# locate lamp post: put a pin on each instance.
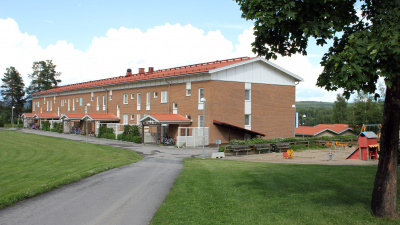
(12, 116)
(204, 123)
(304, 116)
(294, 132)
(87, 130)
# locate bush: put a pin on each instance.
(104, 130)
(131, 130)
(46, 125)
(1, 123)
(221, 148)
(237, 142)
(137, 139)
(108, 136)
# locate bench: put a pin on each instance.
(238, 148)
(283, 146)
(262, 148)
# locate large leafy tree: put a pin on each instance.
(44, 76)
(12, 91)
(365, 47)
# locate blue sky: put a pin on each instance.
(90, 40)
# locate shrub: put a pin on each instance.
(1, 123)
(104, 130)
(237, 142)
(46, 125)
(131, 130)
(221, 148)
(108, 136)
(137, 139)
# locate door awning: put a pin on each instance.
(165, 119)
(90, 116)
(244, 130)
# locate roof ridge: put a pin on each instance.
(193, 68)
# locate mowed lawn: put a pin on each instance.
(32, 164)
(233, 192)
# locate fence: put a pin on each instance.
(192, 136)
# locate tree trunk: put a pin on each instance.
(384, 195)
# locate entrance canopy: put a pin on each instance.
(165, 119)
(41, 115)
(233, 127)
(90, 116)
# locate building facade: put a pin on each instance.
(234, 99)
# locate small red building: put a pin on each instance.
(367, 147)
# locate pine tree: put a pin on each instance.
(12, 91)
(44, 76)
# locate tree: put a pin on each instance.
(340, 110)
(12, 91)
(365, 110)
(364, 49)
(44, 76)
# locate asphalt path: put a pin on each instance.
(127, 195)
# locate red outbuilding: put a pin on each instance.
(368, 147)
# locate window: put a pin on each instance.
(125, 119)
(77, 99)
(148, 101)
(92, 97)
(118, 111)
(110, 95)
(62, 102)
(247, 120)
(44, 100)
(155, 94)
(188, 88)
(138, 118)
(98, 104)
(201, 94)
(73, 105)
(164, 96)
(81, 101)
(175, 108)
(201, 120)
(132, 117)
(38, 103)
(104, 102)
(47, 109)
(54, 99)
(132, 96)
(247, 95)
(125, 98)
(69, 105)
(34, 107)
(51, 106)
(138, 100)
(189, 117)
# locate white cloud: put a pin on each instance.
(161, 47)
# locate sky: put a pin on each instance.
(91, 40)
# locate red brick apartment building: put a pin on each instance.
(244, 97)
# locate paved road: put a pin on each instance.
(125, 195)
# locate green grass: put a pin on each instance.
(233, 192)
(32, 164)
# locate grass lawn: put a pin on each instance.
(232, 192)
(32, 164)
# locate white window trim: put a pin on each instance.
(125, 100)
(188, 88)
(155, 94)
(199, 120)
(81, 102)
(200, 95)
(125, 119)
(249, 119)
(138, 99)
(110, 95)
(164, 96)
(132, 96)
(247, 100)
(104, 103)
(98, 104)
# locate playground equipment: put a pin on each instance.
(368, 145)
(288, 154)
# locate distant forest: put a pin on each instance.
(364, 110)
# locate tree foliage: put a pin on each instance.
(340, 110)
(44, 76)
(12, 91)
(365, 48)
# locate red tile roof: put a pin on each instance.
(47, 115)
(28, 114)
(196, 68)
(312, 131)
(93, 116)
(169, 117)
